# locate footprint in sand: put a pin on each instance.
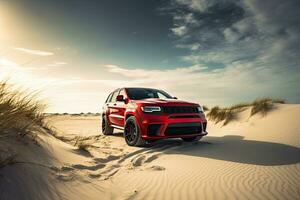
(103, 168)
(137, 161)
(92, 167)
(143, 159)
(107, 159)
(94, 175)
(66, 169)
(129, 195)
(152, 158)
(156, 168)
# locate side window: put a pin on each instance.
(108, 98)
(122, 92)
(114, 96)
(151, 95)
(161, 96)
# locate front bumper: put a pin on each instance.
(172, 125)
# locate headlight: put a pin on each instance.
(150, 109)
(200, 109)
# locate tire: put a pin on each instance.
(106, 129)
(192, 139)
(132, 133)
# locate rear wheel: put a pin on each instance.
(192, 139)
(132, 133)
(106, 128)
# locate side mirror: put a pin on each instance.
(175, 98)
(120, 98)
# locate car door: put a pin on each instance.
(112, 109)
(120, 109)
(105, 108)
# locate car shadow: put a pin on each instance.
(234, 149)
(118, 134)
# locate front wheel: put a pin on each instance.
(132, 133)
(192, 139)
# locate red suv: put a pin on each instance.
(147, 114)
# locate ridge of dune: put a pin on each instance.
(280, 125)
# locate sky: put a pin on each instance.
(213, 52)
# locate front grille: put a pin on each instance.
(183, 128)
(153, 129)
(179, 109)
(184, 116)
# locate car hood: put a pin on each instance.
(165, 102)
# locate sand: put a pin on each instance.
(254, 157)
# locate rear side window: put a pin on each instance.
(108, 98)
(114, 96)
(122, 92)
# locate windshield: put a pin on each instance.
(145, 93)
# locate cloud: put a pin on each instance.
(253, 39)
(143, 73)
(197, 5)
(34, 52)
(192, 47)
(179, 31)
(232, 84)
(7, 63)
(227, 30)
(57, 64)
(237, 51)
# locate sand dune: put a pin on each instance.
(250, 158)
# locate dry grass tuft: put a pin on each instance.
(261, 106)
(205, 108)
(239, 107)
(83, 144)
(218, 114)
(226, 115)
(20, 112)
(264, 105)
